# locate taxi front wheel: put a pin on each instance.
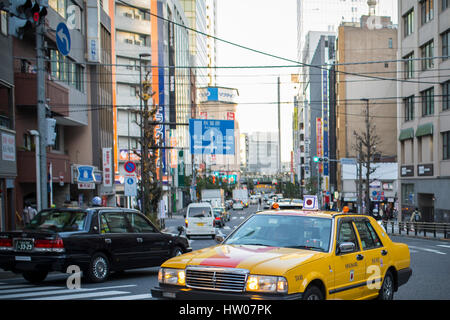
(313, 293)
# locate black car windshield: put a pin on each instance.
(289, 231)
(59, 221)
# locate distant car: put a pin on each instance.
(291, 254)
(98, 240)
(254, 200)
(219, 219)
(199, 220)
(238, 205)
(225, 213)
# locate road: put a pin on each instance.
(429, 260)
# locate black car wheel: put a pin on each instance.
(99, 268)
(313, 293)
(176, 252)
(35, 276)
(387, 289)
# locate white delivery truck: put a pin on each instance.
(241, 194)
(214, 196)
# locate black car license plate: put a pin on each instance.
(24, 245)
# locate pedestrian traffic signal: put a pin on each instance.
(317, 159)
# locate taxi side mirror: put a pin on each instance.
(219, 238)
(346, 247)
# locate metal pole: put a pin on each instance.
(41, 114)
(279, 128)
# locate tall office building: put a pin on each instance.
(424, 108)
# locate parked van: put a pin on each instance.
(199, 220)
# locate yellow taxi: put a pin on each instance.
(292, 254)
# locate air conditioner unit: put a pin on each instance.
(137, 42)
(128, 15)
(129, 41)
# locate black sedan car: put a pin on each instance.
(97, 240)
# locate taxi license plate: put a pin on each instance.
(200, 224)
(24, 245)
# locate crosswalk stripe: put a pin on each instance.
(427, 249)
(16, 286)
(84, 295)
(443, 245)
(131, 297)
(27, 289)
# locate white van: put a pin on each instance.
(199, 220)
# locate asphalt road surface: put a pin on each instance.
(429, 260)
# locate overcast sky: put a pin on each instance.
(268, 26)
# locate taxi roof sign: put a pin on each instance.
(310, 203)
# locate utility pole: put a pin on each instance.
(41, 113)
(279, 128)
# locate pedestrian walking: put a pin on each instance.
(28, 213)
(416, 217)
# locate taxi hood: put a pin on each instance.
(256, 259)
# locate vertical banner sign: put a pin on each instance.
(325, 125)
(172, 97)
(319, 141)
(181, 168)
(160, 133)
(107, 167)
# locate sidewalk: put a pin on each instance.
(392, 228)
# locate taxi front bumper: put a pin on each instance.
(184, 293)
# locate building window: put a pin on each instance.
(66, 70)
(445, 4)
(4, 23)
(427, 53)
(446, 96)
(446, 145)
(445, 44)
(427, 102)
(407, 193)
(409, 66)
(427, 11)
(59, 6)
(408, 23)
(409, 108)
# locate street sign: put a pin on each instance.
(212, 136)
(63, 41)
(129, 166)
(310, 202)
(130, 189)
(351, 161)
(85, 174)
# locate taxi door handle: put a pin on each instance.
(384, 252)
(140, 240)
(359, 257)
(108, 240)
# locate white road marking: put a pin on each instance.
(27, 289)
(84, 295)
(443, 245)
(131, 297)
(427, 249)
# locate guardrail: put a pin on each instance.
(428, 229)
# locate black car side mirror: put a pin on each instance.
(180, 230)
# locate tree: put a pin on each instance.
(366, 147)
(151, 191)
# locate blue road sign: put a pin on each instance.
(212, 136)
(129, 166)
(85, 174)
(63, 41)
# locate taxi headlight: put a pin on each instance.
(172, 276)
(271, 284)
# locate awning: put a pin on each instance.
(406, 134)
(424, 130)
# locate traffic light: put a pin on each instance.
(51, 131)
(24, 14)
(317, 159)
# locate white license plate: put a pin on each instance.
(23, 258)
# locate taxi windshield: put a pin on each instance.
(300, 232)
(59, 221)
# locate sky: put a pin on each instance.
(268, 26)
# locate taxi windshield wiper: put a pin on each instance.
(307, 247)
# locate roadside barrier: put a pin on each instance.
(428, 229)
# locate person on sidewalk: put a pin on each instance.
(416, 217)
